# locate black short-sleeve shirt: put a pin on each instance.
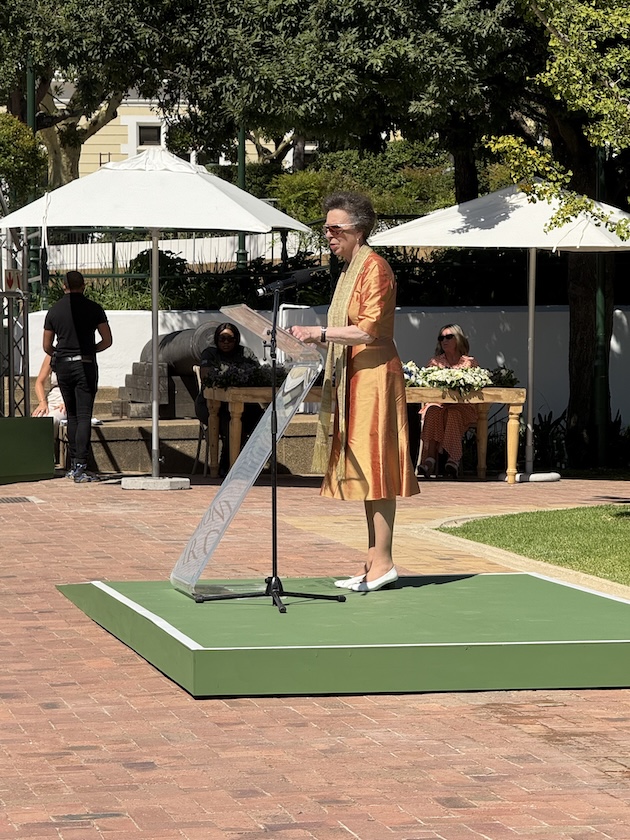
(74, 319)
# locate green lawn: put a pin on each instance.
(593, 540)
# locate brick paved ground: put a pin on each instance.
(94, 743)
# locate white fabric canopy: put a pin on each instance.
(154, 190)
(509, 218)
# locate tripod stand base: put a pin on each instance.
(275, 590)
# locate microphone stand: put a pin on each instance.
(274, 587)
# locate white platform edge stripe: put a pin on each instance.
(192, 645)
(581, 588)
(155, 619)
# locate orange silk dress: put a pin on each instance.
(378, 465)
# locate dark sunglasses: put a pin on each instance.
(229, 338)
(335, 229)
(445, 337)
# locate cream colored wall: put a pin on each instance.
(118, 139)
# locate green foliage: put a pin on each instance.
(181, 288)
(170, 264)
(404, 178)
(52, 293)
(589, 64)
(474, 277)
(118, 294)
(503, 377)
(246, 373)
(22, 161)
(549, 438)
(528, 165)
(301, 194)
(260, 177)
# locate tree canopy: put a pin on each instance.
(86, 56)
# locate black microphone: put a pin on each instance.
(298, 278)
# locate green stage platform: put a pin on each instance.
(443, 633)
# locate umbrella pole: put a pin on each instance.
(155, 372)
(531, 317)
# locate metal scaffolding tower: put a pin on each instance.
(14, 367)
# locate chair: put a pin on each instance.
(204, 433)
(441, 457)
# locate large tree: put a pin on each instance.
(86, 55)
(586, 148)
(351, 74)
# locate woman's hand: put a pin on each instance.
(309, 335)
(41, 410)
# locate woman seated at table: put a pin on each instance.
(227, 350)
(444, 425)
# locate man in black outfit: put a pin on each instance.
(73, 320)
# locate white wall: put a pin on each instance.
(131, 330)
(497, 336)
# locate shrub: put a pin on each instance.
(22, 161)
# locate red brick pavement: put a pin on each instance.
(94, 743)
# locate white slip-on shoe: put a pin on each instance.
(373, 585)
(346, 583)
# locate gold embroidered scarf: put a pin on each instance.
(336, 368)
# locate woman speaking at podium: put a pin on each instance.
(369, 459)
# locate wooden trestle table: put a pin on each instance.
(514, 398)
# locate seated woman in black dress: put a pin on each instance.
(227, 349)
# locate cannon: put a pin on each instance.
(178, 351)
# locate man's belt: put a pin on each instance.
(76, 358)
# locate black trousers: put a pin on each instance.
(78, 382)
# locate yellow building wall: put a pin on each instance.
(118, 140)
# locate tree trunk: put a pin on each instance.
(64, 141)
(572, 149)
(63, 160)
(299, 157)
(582, 419)
(466, 179)
(459, 139)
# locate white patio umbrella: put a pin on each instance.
(154, 190)
(509, 218)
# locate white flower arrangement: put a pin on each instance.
(462, 380)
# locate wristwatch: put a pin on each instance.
(322, 335)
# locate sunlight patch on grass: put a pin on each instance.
(592, 540)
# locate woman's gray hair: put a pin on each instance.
(356, 205)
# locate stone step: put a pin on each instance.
(102, 404)
(125, 446)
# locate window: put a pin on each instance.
(149, 135)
